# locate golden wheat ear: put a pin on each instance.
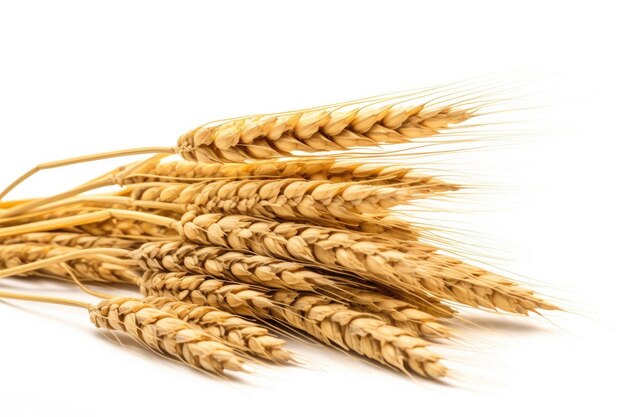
(155, 329)
(386, 119)
(332, 323)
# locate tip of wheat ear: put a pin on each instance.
(163, 332)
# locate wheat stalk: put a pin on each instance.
(328, 321)
(331, 128)
(240, 333)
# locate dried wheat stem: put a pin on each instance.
(331, 128)
(328, 321)
(240, 333)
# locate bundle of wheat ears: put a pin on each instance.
(255, 229)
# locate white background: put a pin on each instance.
(84, 77)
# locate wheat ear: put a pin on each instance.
(407, 267)
(240, 333)
(74, 240)
(178, 256)
(330, 128)
(328, 321)
(154, 329)
(326, 169)
(96, 268)
(272, 273)
(319, 201)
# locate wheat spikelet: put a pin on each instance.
(326, 320)
(408, 267)
(240, 333)
(94, 268)
(332, 128)
(165, 333)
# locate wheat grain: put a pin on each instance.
(240, 333)
(323, 319)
